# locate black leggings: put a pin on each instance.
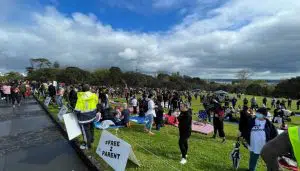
(183, 145)
(15, 97)
(219, 127)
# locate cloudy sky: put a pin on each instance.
(205, 38)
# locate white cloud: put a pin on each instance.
(268, 44)
(128, 54)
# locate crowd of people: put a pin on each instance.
(90, 103)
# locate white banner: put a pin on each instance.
(72, 125)
(61, 112)
(115, 151)
(47, 101)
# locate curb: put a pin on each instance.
(75, 145)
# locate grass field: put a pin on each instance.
(161, 151)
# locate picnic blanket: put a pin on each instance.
(137, 119)
(196, 126)
(107, 124)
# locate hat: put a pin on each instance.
(263, 111)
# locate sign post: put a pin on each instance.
(72, 125)
(47, 101)
(115, 151)
(61, 112)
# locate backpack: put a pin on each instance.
(145, 105)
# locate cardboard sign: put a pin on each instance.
(72, 126)
(47, 101)
(115, 151)
(61, 112)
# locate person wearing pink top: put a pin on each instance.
(59, 97)
(6, 92)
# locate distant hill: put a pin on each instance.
(229, 81)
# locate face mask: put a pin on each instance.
(259, 116)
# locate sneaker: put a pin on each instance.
(224, 140)
(14, 106)
(84, 147)
(183, 161)
(151, 133)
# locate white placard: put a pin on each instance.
(47, 101)
(72, 126)
(115, 151)
(61, 112)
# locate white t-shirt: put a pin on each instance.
(134, 102)
(151, 107)
(258, 136)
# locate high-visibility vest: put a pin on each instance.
(294, 135)
(86, 102)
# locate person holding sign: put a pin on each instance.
(185, 129)
(86, 109)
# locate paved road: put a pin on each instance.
(30, 141)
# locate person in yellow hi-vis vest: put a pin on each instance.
(86, 110)
(286, 143)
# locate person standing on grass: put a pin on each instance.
(86, 110)
(233, 102)
(72, 97)
(298, 104)
(290, 103)
(15, 95)
(265, 101)
(259, 131)
(245, 101)
(59, 97)
(218, 120)
(159, 116)
(185, 129)
(273, 102)
(150, 114)
(134, 103)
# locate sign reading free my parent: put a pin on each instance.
(115, 151)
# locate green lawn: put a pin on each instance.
(161, 151)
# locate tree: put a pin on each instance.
(13, 76)
(243, 75)
(56, 64)
(40, 62)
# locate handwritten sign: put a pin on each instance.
(72, 126)
(115, 151)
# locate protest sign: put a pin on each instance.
(47, 101)
(61, 112)
(115, 151)
(72, 125)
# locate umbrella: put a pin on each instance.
(235, 155)
(220, 92)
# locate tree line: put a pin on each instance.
(43, 70)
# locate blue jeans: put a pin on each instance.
(253, 161)
(149, 121)
(59, 101)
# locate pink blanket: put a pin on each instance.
(196, 126)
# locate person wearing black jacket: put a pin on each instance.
(52, 92)
(258, 132)
(72, 97)
(185, 129)
(159, 116)
(244, 115)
